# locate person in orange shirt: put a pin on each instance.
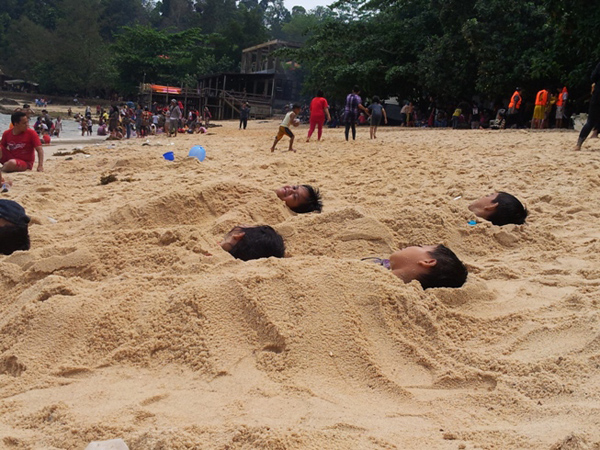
(513, 109)
(539, 113)
(561, 102)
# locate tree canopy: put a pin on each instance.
(452, 49)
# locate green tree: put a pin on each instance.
(300, 25)
(119, 13)
(276, 16)
(142, 52)
(575, 27)
(66, 58)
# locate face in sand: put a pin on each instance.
(411, 262)
(293, 196)
(485, 206)
(232, 238)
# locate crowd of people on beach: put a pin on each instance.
(126, 120)
(549, 110)
(130, 120)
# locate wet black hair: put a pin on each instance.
(15, 117)
(313, 203)
(296, 105)
(448, 270)
(509, 210)
(356, 88)
(258, 242)
(13, 238)
(319, 93)
(376, 99)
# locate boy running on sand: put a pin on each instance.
(284, 127)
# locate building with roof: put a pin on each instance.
(266, 81)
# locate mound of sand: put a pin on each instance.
(127, 320)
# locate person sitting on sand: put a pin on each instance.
(14, 231)
(500, 208)
(46, 138)
(257, 242)
(300, 198)
(434, 266)
(116, 135)
(19, 145)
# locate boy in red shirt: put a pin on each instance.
(18, 145)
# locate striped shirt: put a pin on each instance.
(351, 109)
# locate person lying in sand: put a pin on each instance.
(14, 231)
(300, 198)
(257, 242)
(500, 208)
(434, 266)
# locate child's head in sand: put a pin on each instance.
(14, 232)
(301, 198)
(500, 208)
(248, 243)
(433, 266)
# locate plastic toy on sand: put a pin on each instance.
(169, 156)
(198, 152)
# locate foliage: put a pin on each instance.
(144, 53)
(451, 49)
(64, 58)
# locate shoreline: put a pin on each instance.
(70, 145)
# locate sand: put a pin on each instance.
(127, 320)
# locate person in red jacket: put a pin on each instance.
(319, 109)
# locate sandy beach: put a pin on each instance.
(127, 320)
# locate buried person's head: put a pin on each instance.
(248, 243)
(301, 198)
(434, 266)
(14, 232)
(500, 208)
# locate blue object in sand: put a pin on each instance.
(197, 151)
(169, 156)
(472, 222)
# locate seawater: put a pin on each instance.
(70, 128)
